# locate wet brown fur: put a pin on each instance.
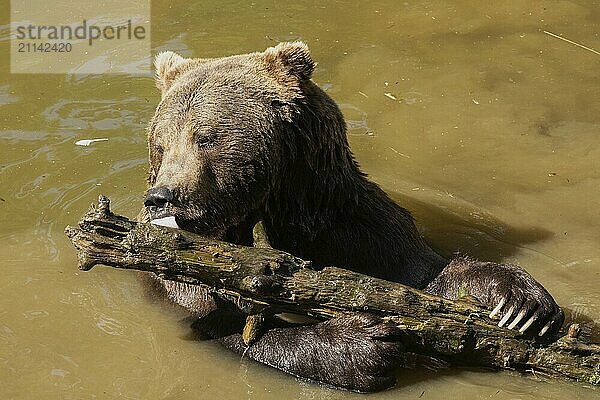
(249, 137)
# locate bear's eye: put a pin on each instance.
(278, 103)
(205, 140)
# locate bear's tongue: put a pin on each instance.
(166, 221)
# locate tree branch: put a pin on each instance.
(458, 331)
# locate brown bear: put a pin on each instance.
(245, 138)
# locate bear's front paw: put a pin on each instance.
(356, 351)
(364, 351)
(517, 299)
(522, 303)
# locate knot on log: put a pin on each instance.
(261, 285)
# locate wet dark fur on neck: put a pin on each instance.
(324, 209)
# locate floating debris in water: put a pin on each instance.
(87, 142)
(572, 42)
(390, 96)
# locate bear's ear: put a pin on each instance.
(164, 67)
(294, 57)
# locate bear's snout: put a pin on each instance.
(158, 197)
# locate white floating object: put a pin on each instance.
(87, 142)
(169, 222)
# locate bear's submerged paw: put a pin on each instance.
(358, 352)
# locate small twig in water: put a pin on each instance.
(572, 42)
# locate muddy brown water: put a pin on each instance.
(486, 127)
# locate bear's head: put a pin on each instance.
(239, 137)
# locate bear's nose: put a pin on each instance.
(158, 197)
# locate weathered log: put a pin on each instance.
(458, 331)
